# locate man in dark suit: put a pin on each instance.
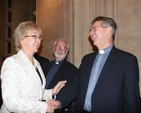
(58, 70)
(114, 86)
(108, 78)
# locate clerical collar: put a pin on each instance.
(106, 50)
(56, 62)
(101, 51)
(59, 62)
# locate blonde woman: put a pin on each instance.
(23, 81)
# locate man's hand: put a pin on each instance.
(50, 109)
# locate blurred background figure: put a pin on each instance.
(60, 69)
(41, 60)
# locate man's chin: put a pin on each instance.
(60, 58)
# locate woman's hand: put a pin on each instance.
(55, 103)
(58, 87)
(50, 108)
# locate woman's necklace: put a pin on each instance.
(35, 66)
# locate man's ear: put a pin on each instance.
(109, 30)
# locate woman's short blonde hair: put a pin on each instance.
(22, 30)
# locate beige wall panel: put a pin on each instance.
(49, 18)
(68, 24)
(129, 28)
(85, 28)
(100, 7)
(77, 32)
(125, 2)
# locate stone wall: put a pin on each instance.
(2, 30)
(49, 18)
(20, 11)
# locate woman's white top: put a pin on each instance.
(22, 90)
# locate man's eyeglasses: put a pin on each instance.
(94, 28)
(60, 47)
(35, 36)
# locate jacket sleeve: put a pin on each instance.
(47, 95)
(131, 87)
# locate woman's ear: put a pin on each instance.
(21, 41)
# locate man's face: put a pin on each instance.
(60, 50)
(98, 34)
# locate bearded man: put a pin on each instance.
(58, 70)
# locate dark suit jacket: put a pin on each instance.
(69, 72)
(41, 60)
(117, 89)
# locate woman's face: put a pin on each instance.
(31, 42)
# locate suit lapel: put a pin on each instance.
(60, 72)
(28, 67)
(47, 67)
(59, 75)
(107, 66)
(89, 63)
(41, 72)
